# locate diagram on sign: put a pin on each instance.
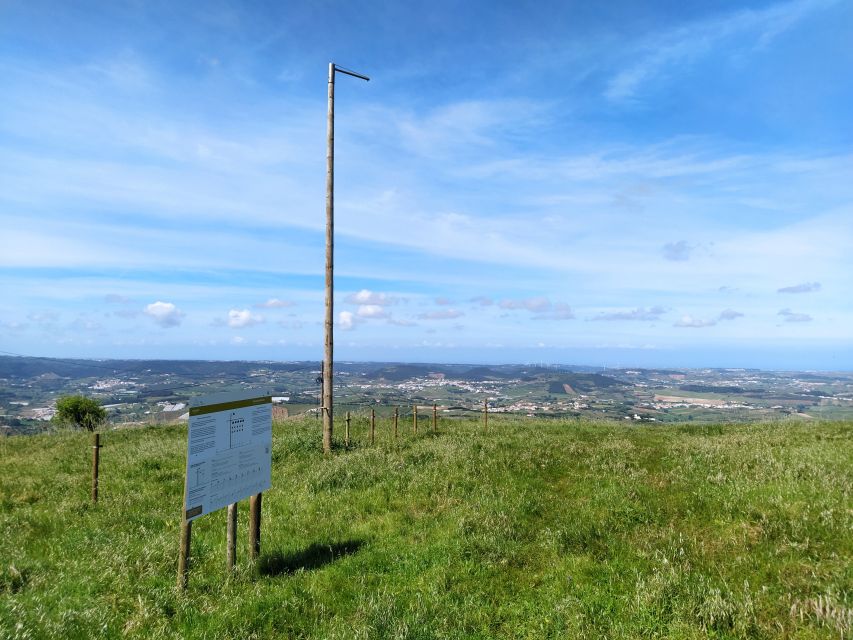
(197, 476)
(237, 430)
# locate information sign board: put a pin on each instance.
(229, 450)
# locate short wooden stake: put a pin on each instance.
(396, 418)
(231, 538)
(346, 433)
(96, 461)
(184, 557)
(434, 418)
(255, 525)
(372, 426)
(415, 419)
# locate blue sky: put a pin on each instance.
(621, 183)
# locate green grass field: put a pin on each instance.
(539, 529)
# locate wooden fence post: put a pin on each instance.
(184, 557)
(346, 433)
(231, 538)
(485, 415)
(415, 419)
(434, 418)
(396, 418)
(372, 426)
(96, 461)
(255, 525)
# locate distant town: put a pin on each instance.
(137, 392)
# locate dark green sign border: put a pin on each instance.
(226, 406)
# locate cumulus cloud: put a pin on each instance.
(791, 316)
(274, 303)
(238, 340)
(641, 314)
(365, 296)
(371, 311)
(240, 318)
(729, 314)
(677, 251)
(805, 287)
(164, 314)
(483, 301)
(444, 314)
(346, 320)
(694, 323)
(537, 304)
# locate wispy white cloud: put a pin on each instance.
(274, 303)
(671, 51)
(729, 314)
(805, 287)
(367, 297)
(372, 311)
(677, 251)
(537, 304)
(639, 314)
(791, 316)
(689, 321)
(442, 314)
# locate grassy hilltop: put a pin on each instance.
(539, 529)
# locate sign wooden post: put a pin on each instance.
(396, 417)
(434, 418)
(184, 557)
(485, 415)
(415, 419)
(372, 426)
(96, 460)
(255, 525)
(186, 538)
(231, 538)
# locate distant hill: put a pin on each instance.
(583, 383)
(18, 367)
(401, 372)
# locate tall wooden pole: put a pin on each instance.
(328, 415)
(328, 374)
(372, 426)
(415, 419)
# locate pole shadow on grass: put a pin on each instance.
(313, 556)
